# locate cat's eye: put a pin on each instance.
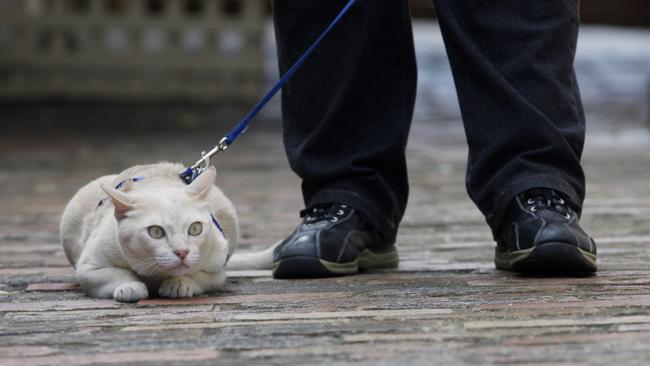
(156, 232)
(195, 229)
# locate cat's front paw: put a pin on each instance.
(131, 292)
(179, 287)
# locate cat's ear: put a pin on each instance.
(203, 183)
(121, 201)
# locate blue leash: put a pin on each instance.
(195, 170)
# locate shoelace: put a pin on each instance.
(548, 199)
(324, 212)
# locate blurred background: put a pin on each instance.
(92, 87)
(83, 66)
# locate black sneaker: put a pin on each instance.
(540, 233)
(332, 240)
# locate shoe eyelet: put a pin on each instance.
(340, 212)
(567, 216)
(533, 209)
(530, 201)
(334, 219)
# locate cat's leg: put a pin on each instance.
(192, 284)
(111, 282)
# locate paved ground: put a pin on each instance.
(446, 304)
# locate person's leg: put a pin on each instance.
(347, 112)
(513, 67)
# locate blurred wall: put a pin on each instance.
(615, 12)
(145, 50)
(622, 12)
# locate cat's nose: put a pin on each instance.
(181, 253)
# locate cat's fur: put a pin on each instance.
(115, 255)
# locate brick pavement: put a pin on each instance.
(445, 304)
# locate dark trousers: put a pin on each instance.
(347, 112)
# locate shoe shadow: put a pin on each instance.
(554, 274)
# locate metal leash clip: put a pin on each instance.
(202, 164)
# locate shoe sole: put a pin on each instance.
(312, 267)
(547, 258)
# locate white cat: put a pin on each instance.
(144, 232)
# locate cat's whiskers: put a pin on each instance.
(148, 267)
(168, 260)
(193, 258)
(171, 262)
(142, 267)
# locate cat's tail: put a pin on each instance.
(255, 260)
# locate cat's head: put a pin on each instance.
(167, 230)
